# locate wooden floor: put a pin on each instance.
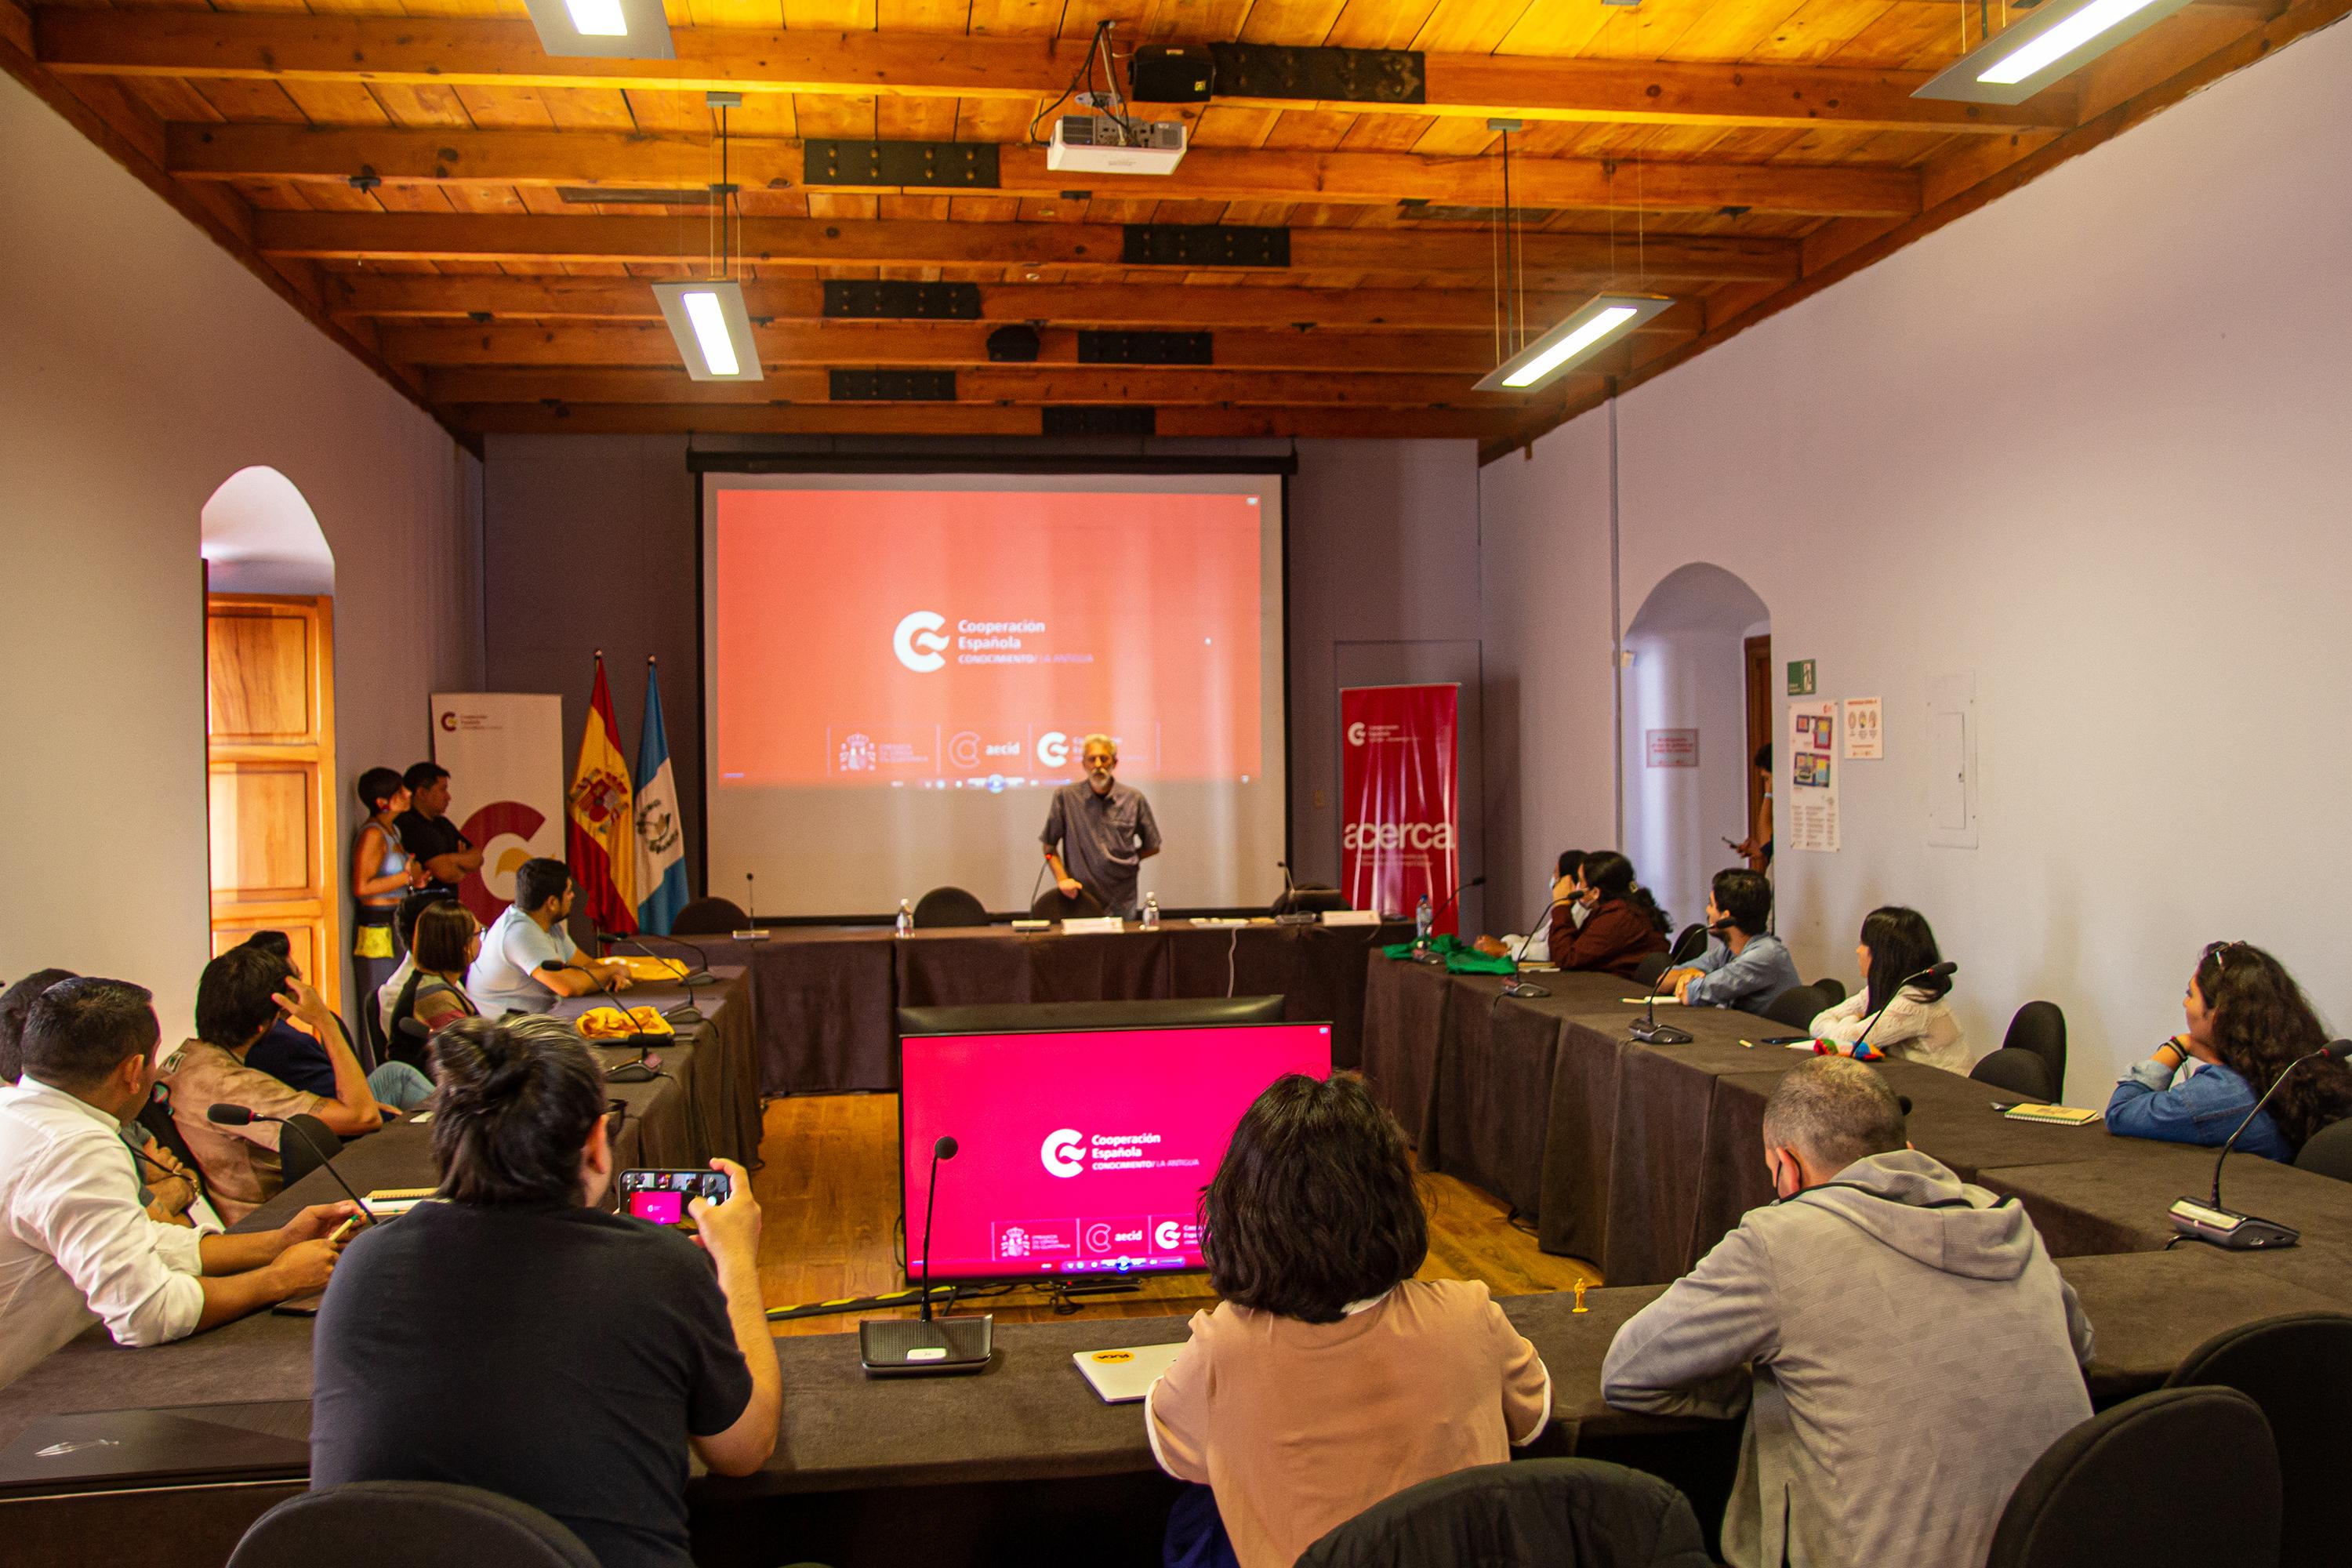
(829, 1191)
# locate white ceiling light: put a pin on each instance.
(2056, 40)
(713, 328)
(1607, 319)
(613, 29)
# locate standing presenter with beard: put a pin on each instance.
(1099, 832)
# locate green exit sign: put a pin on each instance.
(1800, 677)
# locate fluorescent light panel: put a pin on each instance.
(2056, 40)
(607, 29)
(1599, 323)
(713, 328)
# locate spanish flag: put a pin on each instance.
(600, 834)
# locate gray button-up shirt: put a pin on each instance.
(1102, 840)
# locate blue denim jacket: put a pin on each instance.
(2204, 1108)
(1761, 972)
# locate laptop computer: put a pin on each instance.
(98, 1450)
(1125, 1376)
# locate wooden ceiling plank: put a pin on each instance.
(261, 48)
(591, 158)
(836, 243)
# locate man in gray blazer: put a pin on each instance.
(1901, 1341)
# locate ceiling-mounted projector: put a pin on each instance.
(1100, 144)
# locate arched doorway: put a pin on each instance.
(269, 722)
(1692, 724)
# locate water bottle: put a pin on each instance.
(1421, 921)
(1151, 911)
(906, 918)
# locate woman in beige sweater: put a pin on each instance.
(1329, 1378)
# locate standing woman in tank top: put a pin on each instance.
(381, 872)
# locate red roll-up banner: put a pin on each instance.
(1401, 827)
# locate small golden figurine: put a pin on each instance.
(1580, 1306)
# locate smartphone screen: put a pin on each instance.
(661, 1197)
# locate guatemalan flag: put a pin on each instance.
(661, 842)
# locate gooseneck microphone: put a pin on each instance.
(1944, 970)
(1515, 986)
(945, 1148)
(241, 1116)
(925, 1345)
(1430, 956)
(2227, 1228)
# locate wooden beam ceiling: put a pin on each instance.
(824, 242)
(588, 159)
(467, 51)
(1062, 384)
(966, 419)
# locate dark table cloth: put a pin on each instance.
(824, 999)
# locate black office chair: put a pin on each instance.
(1687, 946)
(1053, 904)
(155, 1116)
(944, 907)
(2298, 1369)
(1647, 969)
(2041, 1027)
(710, 917)
(1575, 1513)
(304, 1143)
(407, 1524)
(2328, 1152)
(1797, 1006)
(2086, 1499)
(1832, 988)
(2017, 1071)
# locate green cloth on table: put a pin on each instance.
(1460, 957)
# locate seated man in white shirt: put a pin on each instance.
(527, 960)
(75, 1247)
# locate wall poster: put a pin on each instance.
(1812, 778)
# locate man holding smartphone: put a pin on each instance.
(513, 1335)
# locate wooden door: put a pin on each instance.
(269, 751)
(1759, 720)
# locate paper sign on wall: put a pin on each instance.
(1813, 778)
(1673, 748)
(1863, 737)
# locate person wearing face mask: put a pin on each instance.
(1621, 926)
(1966, 1365)
(1099, 832)
(2248, 1023)
(1744, 965)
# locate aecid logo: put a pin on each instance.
(1355, 733)
(1397, 835)
(1063, 1152)
(918, 643)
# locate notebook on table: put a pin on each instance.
(1125, 1376)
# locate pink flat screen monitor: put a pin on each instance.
(1080, 1152)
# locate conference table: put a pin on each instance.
(1543, 1095)
(825, 998)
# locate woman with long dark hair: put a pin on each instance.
(2248, 1023)
(1910, 1021)
(1329, 1378)
(1623, 923)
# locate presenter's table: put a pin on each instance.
(824, 999)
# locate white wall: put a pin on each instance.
(140, 366)
(2089, 443)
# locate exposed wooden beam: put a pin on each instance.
(1001, 384)
(560, 296)
(461, 51)
(669, 161)
(961, 419)
(923, 344)
(827, 242)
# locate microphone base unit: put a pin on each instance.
(2229, 1229)
(1515, 987)
(1299, 918)
(686, 1013)
(1652, 1033)
(1427, 955)
(912, 1347)
(749, 935)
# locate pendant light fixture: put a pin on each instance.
(707, 315)
(2057, 39)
